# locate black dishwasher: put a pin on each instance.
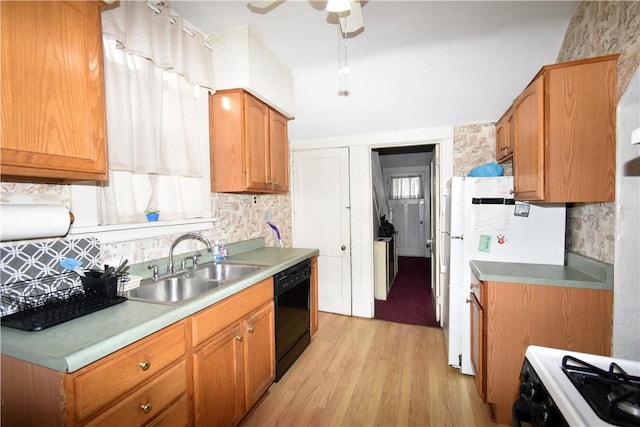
(291, 294)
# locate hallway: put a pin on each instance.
(410, 300)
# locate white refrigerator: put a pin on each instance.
(483, 222)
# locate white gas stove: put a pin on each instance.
(560, 388)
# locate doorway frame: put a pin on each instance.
(361, 194)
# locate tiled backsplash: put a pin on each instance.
(25, 261)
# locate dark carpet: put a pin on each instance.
(410, 300)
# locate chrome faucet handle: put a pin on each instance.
(156, 271)
(195, 257)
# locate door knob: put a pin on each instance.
(343, 247)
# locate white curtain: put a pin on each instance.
(154, 114)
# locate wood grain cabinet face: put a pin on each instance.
(504, 137)
(142, 383)
(218, 380)
(516, 315)
(249, 145)
(564, 133)
(259, 353)
(528, 163)
(476, 299)
(233, 360)
(53, 104)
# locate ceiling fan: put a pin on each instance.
(349, 12)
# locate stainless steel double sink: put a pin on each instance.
(188, 284)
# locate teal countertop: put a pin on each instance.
(72, 345)
(579, 272)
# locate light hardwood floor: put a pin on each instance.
(366, 372)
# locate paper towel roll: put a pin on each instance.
(21, 222)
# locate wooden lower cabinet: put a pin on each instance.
(233, 359)
(512, 316)
(131, 387)
(217, 369)
(208, 369)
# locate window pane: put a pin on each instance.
(406, 187)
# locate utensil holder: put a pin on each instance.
(96, 287)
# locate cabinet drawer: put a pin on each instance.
(152, 398)
(107, 379)
(213, 319)
(177, 415)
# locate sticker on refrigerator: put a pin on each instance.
(485, 243)
(501, 238)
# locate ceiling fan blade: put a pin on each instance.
(262, 4)
(353, 20)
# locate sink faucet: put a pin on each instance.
(171, 268)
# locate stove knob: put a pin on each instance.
(533, 391)
(540, 415)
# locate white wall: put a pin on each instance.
(626, 301)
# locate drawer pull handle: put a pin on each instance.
(250, 329)
(239, 338)
(145, 365)
(146, 408)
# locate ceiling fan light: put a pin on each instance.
(338, 5)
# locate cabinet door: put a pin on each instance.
(477, 348)
(259, 353)
(504, 150)
(257, 144)
(227, 144)
(53, 113)
(217, 380)
(279, 152)
(528, 158)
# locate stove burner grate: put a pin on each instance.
(613, 395)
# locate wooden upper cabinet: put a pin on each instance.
(528, 163)
(564, 133)
(249, 146)
(279, 152)
(53, 104)
(257, 144)
(504, 137)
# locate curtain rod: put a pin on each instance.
(158, 11)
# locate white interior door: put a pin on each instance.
(436, 232)
(321, 219)
(408, 220)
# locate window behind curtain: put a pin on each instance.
(157, 74)
(406, 187)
